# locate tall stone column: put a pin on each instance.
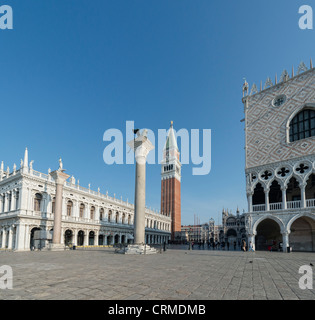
(141, 146)
(60, 177)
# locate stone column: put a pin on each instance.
(96, 234)
(86, 238)
(6, 202)
(251, 238)
(303, 200)
(3, 238)
(1, 203)
(141, 146)
(60, 177)
(267, 199)
(250, 201)
(75, 237)
(10, 238)
(20, 237)
(285, 241)
(284, 198)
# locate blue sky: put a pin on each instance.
(72, 69)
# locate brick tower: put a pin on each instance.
(170, 184)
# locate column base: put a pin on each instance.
(137, 249)
(56, 247)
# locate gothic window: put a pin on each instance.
(69, 208)
(37, 201)
(302, 125)
(82, 210)
(109, 215)
(117, 217)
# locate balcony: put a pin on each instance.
(309, 203)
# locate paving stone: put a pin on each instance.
(197, 275)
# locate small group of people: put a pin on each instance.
(251, 246)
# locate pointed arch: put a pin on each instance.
(268, 216)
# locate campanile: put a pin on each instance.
(170, 184)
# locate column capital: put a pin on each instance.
(141, 147)
(59, 176)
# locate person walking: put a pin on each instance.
(251, 247)
(243, 245)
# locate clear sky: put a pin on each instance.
(71, 69)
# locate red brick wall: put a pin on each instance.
(170, 192)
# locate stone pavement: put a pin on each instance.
(175, 274)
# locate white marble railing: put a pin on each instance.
(48, 177)
(259, 207)
(309, 203)
(294, 204)
(275, 206)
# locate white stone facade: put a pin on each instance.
(88, 217)
(280, 170)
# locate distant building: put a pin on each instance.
(233, 228)
(171, 184)
(27, 208)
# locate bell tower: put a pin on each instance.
(170, 184)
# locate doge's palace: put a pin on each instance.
(280, 161)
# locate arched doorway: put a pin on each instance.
(68, 237)
(101, 240)
(80, 238)
(110, 239)
(123, 238)
(34, 243)
(91, 238)
(231, 237)
(116, 238)
(268, 234)
(302, 235)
